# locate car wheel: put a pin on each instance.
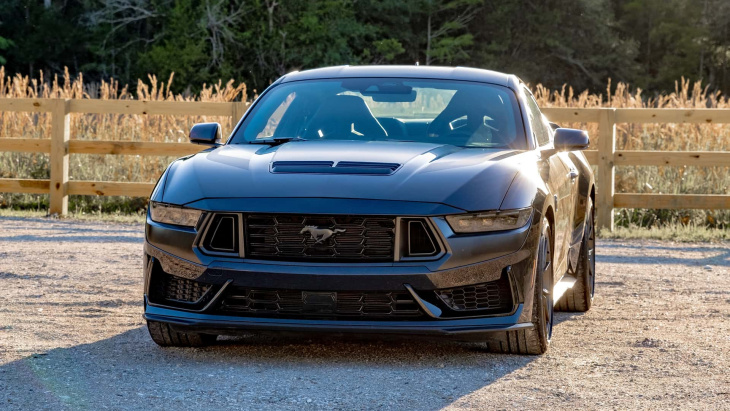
(534, 340)
(579, 298)
(165, 336)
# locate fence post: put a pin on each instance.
(238, 109)
(60, 134)
(606, 172)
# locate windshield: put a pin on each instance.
(460, 113)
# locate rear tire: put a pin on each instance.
(534, 340)
(579, 298)
(165, 336)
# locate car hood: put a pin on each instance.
(471, 179)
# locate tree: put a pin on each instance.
(446, 39)
(554, 42)
(4, 45)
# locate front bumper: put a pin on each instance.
(465, 264)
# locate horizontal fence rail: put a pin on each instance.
(605, 156)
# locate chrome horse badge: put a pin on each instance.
(319, 235)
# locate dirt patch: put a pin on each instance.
(72, 336)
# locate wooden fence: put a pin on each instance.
(606, 157)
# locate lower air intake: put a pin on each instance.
(495, 296)
(322, 305)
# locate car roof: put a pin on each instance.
(434, 72)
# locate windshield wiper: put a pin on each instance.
(276, 140)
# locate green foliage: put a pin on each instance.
(648, 43)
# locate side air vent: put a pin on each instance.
(417, 240)
(329, 167)
(221, 236)
(420, 242)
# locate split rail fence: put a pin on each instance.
(60, 146)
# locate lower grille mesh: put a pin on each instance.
(299, 304)
(182, 290)
(495, 295)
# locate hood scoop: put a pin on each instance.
(330, 167)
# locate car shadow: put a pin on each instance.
(288, 371)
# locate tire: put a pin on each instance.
(165, 336)
(534, 340)
(579, 298)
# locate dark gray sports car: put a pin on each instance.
(394, 199)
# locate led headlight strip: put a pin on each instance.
(489, 221)
(170, 214)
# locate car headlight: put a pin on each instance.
(170, 214)
(489, 221)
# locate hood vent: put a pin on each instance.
(329, 167)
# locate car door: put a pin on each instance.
(569, 208)
(556, 174)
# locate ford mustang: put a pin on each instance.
(376, 199)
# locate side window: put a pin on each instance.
(538, 126)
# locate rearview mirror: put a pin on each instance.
(570, 139)
(206, 133)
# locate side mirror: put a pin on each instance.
(206, 133)
(570, 139)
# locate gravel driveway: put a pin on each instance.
(72, 336)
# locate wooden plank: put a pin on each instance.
(37, 105)
(22, 185)
(238, 110)
(175, 108)
(25, 145)
(60, 134)
(110, 188)
(672, 201)
(672, 115)
(676, 158)
(591, 156)
(605, 179)
(571, 114)
(142, 148)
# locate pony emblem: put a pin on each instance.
(319, 235)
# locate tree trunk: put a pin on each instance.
(428, 41)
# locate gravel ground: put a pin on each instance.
(72, 336)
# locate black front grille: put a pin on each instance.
(309, 304)
(306, 238)
(492, 296)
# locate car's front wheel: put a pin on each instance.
(166, 336)
(536, 339)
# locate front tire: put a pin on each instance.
(579, 298)
(165, 336)
(534, 340)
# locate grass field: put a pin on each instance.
(629, 179)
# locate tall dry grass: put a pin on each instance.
(639, 179)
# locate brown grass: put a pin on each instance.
(641, 179)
